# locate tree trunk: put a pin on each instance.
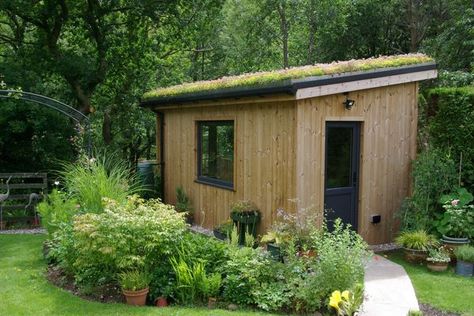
(284, 32)
(312, 32)
(107, 128)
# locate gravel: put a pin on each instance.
(201, 230)
(31, 231)
(384, 247)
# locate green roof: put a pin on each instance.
(272, 77)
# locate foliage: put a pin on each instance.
(243, 206)
(89, 180)
(449, 123)
(438, 255)
(455, 79)
(265, 78)
(134, 280)
(293, 228)
(465, 253)
(418, 240)
(348, 302)
(226, 227)
(183, 204)
(192, 283)
(434, 174)
(22, 277)
(414, 313)
(458, 217)
(342, 254)
(55, 209)
(124, 237)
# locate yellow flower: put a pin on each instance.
(335, 299)
(345, 295)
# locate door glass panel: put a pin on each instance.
(338, 165)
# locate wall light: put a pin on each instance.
(348, 103)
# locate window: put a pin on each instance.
(216, 153)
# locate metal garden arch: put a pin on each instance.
(61, 107)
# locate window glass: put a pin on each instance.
(338, 165)
(216, 152)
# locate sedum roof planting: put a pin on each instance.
(267, 78)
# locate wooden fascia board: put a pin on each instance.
(317, 91)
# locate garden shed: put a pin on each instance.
(337, 136)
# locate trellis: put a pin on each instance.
(61, 107)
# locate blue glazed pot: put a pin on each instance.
(464, 268)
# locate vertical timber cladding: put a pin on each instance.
(264, 158)
(388, 119)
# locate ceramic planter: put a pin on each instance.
(219, 235)
(275, 251)
(452, 243)
(415, 256)
(245, 222)
(464, 268)
(161, 301)
(137, 298)
(437, 266)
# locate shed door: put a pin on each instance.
(342, 171)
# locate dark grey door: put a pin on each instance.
(342, 171)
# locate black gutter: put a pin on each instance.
(287, 86)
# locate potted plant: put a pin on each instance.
(223, 231)
(416, 245)
(213, 285)
(273, 239)
(456, 224)
(246, 216)
(162, 300)
(134, 285)
(438, 259)
(465, 260)
(183, 205)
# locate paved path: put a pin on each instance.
(388, 289)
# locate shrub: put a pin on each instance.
(56, 209)
(342, 254)
(105, 176)
(183, 204)
(450, 124)
(434, 174)
(124, 237)
(458, 218)
(192, 283)
(465, 253)
(418, 240)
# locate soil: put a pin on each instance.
(431, 311)
(106, 294)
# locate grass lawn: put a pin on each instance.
(445, 291)
(25, 291)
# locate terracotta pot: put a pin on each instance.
(415, 256)
(137, 298)
(161, 301)
(211, 302)
(437, 266)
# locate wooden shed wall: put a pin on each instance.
(388, 119)
(264, 166)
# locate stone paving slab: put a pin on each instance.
(388, 289)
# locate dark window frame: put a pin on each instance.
(209, 180)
